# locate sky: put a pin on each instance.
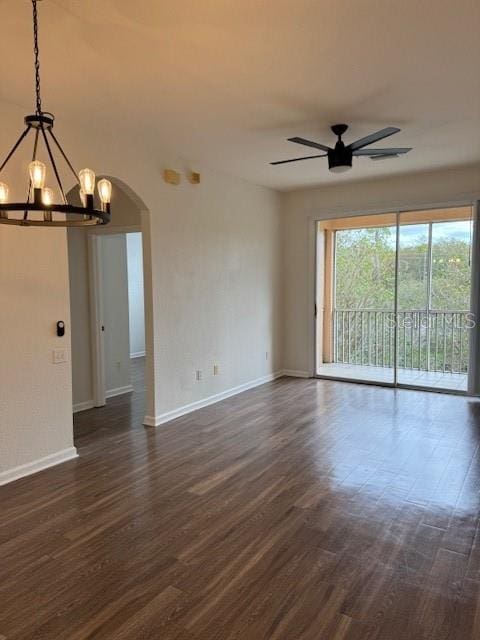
(418, 233)
(412, 234)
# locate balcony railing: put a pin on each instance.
(427, 340)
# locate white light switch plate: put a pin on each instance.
(59, 356)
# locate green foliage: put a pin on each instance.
(365, 272)
(365, 268)
(451, 275)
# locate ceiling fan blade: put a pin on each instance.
(373, 137)
(385, 156)
(382, 152)
(323, 155)
(309, 143)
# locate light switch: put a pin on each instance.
(59, 356)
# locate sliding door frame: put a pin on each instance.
(473, 380)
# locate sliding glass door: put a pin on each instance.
(358, 314)
(434, 283)
(393, 298)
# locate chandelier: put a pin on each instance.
(41, 198)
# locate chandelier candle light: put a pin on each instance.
(41, 198)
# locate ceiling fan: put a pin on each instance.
(340, 157)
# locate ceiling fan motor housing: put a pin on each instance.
(340, 158)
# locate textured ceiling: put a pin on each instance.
(225, 82)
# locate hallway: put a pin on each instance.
(129, 406)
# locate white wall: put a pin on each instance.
(216, 260)
(301, 208)
(113, 251)
(35, 394)
(136, 309)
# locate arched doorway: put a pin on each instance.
(95, 265)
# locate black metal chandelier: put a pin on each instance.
(41, 199)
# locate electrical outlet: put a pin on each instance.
(198, 374)
(216, 369)
(59, 356)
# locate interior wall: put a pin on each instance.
(35, 393)
(113, 251)
(136, 308)
(217, 272)
(302, 208)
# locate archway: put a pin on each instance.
(130, 215)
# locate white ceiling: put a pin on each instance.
(225, 82)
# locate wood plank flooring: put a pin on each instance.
(299, 510)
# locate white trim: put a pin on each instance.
(155, 421)
(111, 393)
(137, 354)
(83, 406)
(96, 319)
(292, 373)
(333, 213)
(117, 230)
(38, 465)
(312, 280)
(473, 381)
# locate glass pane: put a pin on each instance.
(450, 300)
(362, 315)
(413, 258)
(433, 301)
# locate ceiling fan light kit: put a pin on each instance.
(41, 198)
(340, 157)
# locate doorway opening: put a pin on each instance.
(394, 299)
(120, 299)
(136, 311)
(111, 331)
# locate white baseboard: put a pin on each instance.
(111, 393)
(292, 373)
(83, 406)
(137, 354)
(38, 465)
(156, 421)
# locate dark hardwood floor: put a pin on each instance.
(299, 510)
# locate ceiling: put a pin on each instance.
(223, 83)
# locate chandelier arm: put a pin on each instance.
(52, 160)
(15, 147)
(65, 157)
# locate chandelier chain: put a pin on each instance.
(37, 58)
(40, 198)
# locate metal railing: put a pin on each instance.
(427, 340)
